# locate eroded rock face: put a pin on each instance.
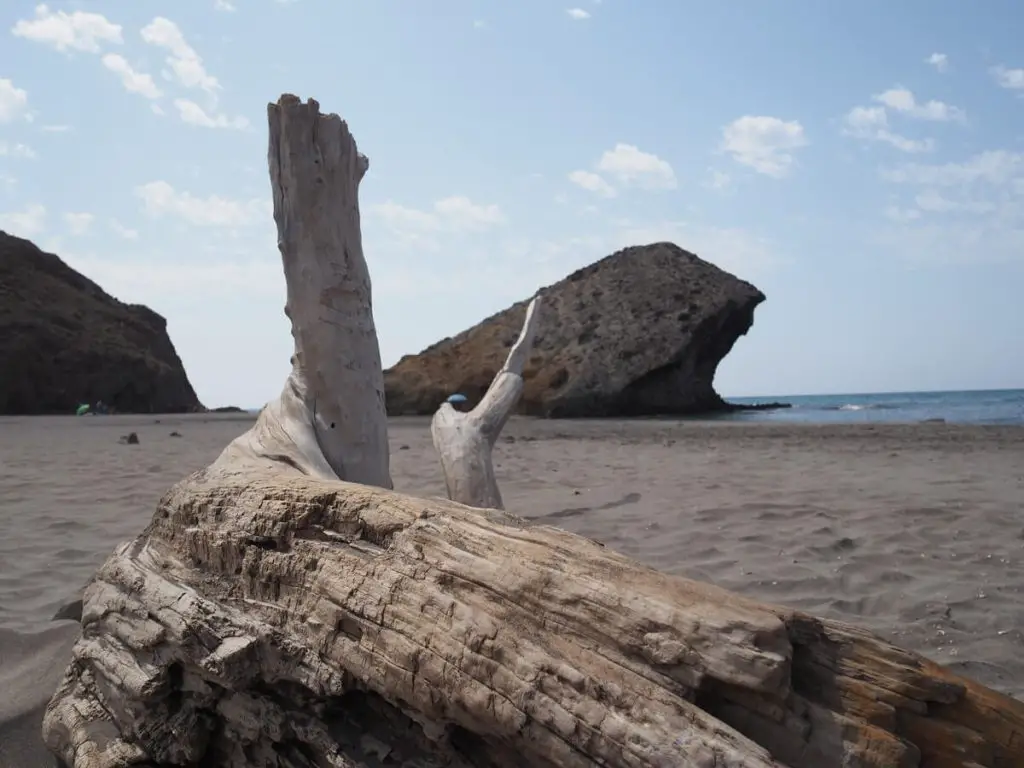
(640, 332)
(64, 341)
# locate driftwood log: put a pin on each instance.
(465, 441)
(285, 608)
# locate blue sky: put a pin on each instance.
(861, 163)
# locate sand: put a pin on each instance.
(914, 531)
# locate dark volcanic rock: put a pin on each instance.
(640, 332)
(64, 341)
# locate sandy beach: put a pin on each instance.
(914, 531)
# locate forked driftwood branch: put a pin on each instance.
(281, 610)
(465, 441)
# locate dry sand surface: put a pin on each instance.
(915, 531)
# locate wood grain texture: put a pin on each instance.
(332, 407)
(263, 613)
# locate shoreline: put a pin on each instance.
(701, 420)
(1001, 407)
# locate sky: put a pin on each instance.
(861, 163)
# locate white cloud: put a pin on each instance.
(122, 231)
(577, 13)
(632, 167)
(895, 213)
(938, 60)
(26, 223)
(592, 183)
(993, 167)
(450, 214)
(151, 281)
(186, 66)
(903, 100)
(717, 179)
(961, 212)
(55, 128)
(765, 144)
(872, 124)
(905, 144)
(133, 81)
(480, 24)
(161, 199)
(78, 223)
(223, 5)
(13, 101)
(932, 201)
(469, 214)
(1008, 78)
(732, 249)
(986, 240)
(193, 114)
(20, 151)
(866, 118)
(402, 217)
(76, 31)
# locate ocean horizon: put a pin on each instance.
(984, 406)
(976, 406)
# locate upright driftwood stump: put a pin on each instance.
(273, 614)
(465, 440)
(329, 421)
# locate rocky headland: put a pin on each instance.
(64, 341)
(638, 333)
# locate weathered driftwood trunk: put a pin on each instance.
(273, 615)
(329, 421)
(465, 441)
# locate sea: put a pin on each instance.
(993, 406)
(977, 406)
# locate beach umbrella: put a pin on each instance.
(457, 398)
(82, 409)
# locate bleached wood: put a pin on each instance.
(329, 420)
(271, 618)
(465, 441)
(273, 615)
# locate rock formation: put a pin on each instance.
(640, 332)
(284, 608)
(64, 341)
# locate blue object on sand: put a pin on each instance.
(457, 398)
